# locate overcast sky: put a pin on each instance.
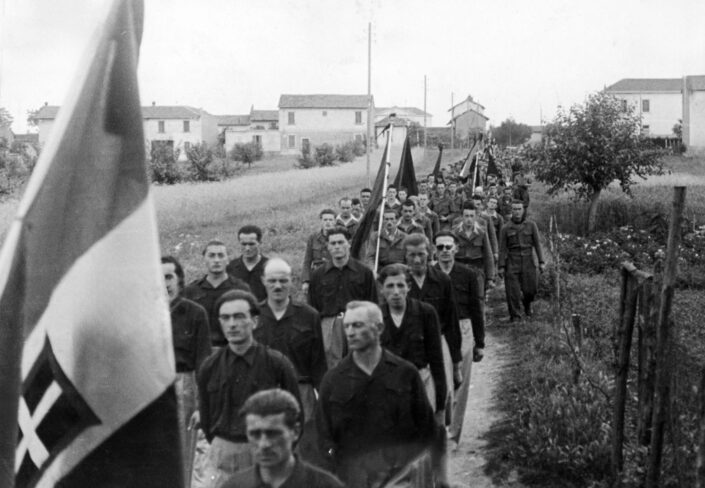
(518, 58)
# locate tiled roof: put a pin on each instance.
(233, 119)
(398, 121)
(323, 101)
(170, 112)
(408, 110)
(264, 115)
(695, 82)
(47, 112)
(646, 85)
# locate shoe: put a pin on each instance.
(477, 354)
(511, 319)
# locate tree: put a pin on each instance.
(511, 133)
(590, 146)
(5, 117)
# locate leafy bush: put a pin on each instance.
(345, 152)
(162, 165)
(247, 153)
(359, 148)
(324, 155)
(306, 161)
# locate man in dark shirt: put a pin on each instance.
(192, 345)
(249, 266)
(373, 414)
(273, 427)
(292, 328)
(470, 300)
(208, 289)
(411, 331)
(316, 253)
(335, 284)
(228, 377)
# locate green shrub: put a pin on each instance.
(359, 148)
(324, 154)
(163, 168)
(247, 153)
(306, 160)
(345, 152)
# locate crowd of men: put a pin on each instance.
(369, 379)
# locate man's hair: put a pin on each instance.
(445, 233)
(178, 269)
(212, 242)
(355, 201)
(273, 402)
(404, 189)
(374, 313)
(276, 264)
(365, 190)
(396, 269)
(338, 229)
(469, 205)
(345, 199)
(416, 240)
(391, 187)
(516, 201)
(477, 196)
(250, 229)
(492, 198)
(408, 203)
(326, 211)
(234, 295)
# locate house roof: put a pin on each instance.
(398, 121)
(646, 85)
(467, 111)
(695, 82)
(233, 119)
(264, 115)
(171, 112)
(323, 101)
(47, 112)
(408, 110)
(468, 99)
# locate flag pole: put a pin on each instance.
(387, 164)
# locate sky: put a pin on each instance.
(519, 59)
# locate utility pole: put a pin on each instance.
(452, 122)
(369, 99)
(424, 113)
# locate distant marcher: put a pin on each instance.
(504, 204)
(357, 210)
(407, 223)
(373, 415)
(225, 381)
(365, 196)
(346, 218)
(192, 345)
(518, 241)
(391, 201)
(426, 212)
(479, 201)
(316, 253)
(333, 285)
(208, 289)
(390, 242)
(250, 265)
(441, 204)
(473, 246)
(273, 429)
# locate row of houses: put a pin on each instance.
(300, 120)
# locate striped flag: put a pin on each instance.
(86, 357)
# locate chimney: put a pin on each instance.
(46, 104)
(154, 104)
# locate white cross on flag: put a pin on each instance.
(86, 357)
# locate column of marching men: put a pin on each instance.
(369, 379)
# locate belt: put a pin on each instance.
(520, 252)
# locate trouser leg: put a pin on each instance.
(512, 287)
(461, 394)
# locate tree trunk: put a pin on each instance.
(592, 211)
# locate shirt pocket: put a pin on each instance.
(512, 238)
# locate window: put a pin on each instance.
(358, 118)
(257, 139)
(358, 137)
(292, 142)
(645, 130)
(624, 105)
(292, 118)
(305, 144)
(645, 105)
(325, 113)
(187, 126)
(160, 125)
(187, 146)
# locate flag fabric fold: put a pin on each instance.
(364, 230)
(406, 176)
(437, 168)
(470, 161)
(86, 356)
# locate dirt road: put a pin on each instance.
(467, 461)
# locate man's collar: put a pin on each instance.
(249, 355)
(265, 309)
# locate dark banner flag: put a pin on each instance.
(437, 167)
(86, 355)
(364, 230)
(406, 177)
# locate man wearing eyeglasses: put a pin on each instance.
(225, 381)
(249, 266)
(333, 285)
(469, 296)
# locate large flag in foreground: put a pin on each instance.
(86, 359)
(364, 230)
(406, 177)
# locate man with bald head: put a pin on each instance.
(292, 328)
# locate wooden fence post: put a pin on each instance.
(663, 339)
(647, 360)
(700, 459)
(625, 329)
